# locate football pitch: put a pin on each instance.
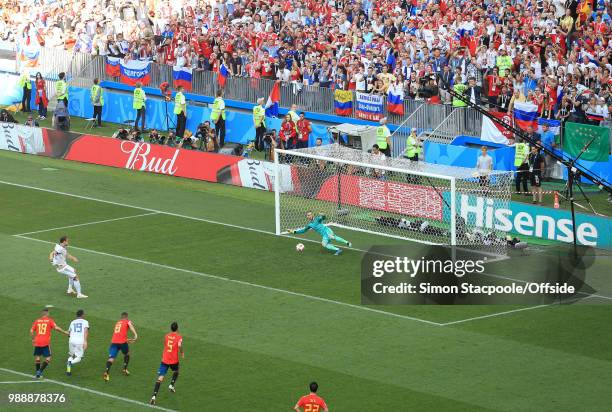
(259, 320)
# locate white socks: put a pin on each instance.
(77, 286)
(74, 360)
(70, 283)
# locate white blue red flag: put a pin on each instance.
(182, 77)
(135, 71)
(525, 115)
(273, 101)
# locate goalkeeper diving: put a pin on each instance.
(316, 223)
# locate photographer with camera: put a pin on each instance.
(155, 137)
(427, 88)
(122, 134)
(206, 136)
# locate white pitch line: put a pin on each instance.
(15, 382)
(244, 283)
(162, 212)
(95, 392)
(491, 315)
(87, 223)
(154, 211)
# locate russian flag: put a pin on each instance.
(222, 77)
(113, 66)
(182, 77)
(395, 100)
(525, 115)
(135, 71)
(273, 101)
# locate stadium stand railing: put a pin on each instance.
(315, 99)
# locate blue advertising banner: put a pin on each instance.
(118, 108)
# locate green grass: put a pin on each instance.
(249, 344)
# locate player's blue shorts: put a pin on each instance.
(42, 351)
(114, 349)
(163, 368)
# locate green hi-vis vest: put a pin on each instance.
(459, 88)
(381, 137)
(24, 81)
(412, 148)
(521, 152)
(179, 103)
(259, 116)
(139, 99)
(217, 111)
(97, 95)
(61, 90)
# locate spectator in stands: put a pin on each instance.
(515, 45)
(41, 96)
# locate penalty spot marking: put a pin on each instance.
(153, 211)
(95, 392)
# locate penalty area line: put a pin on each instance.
(507, 312)
(88, 223)
(244, 283)
(92, 391)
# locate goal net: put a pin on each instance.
(395, 197)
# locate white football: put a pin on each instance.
(299, 247)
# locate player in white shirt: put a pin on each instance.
(77, 343)
(58, 257)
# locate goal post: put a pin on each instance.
(392, 197)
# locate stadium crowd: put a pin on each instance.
(553, 53)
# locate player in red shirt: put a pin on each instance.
(120, 342)
(41, 338)
(311, 402)
(173, 344)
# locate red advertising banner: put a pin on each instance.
(393, 197)
(191, 164)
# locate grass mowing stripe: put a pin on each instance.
(241, 282)
(87, 223)
(162, 212)
(84, 389)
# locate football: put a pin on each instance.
(299, 247)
